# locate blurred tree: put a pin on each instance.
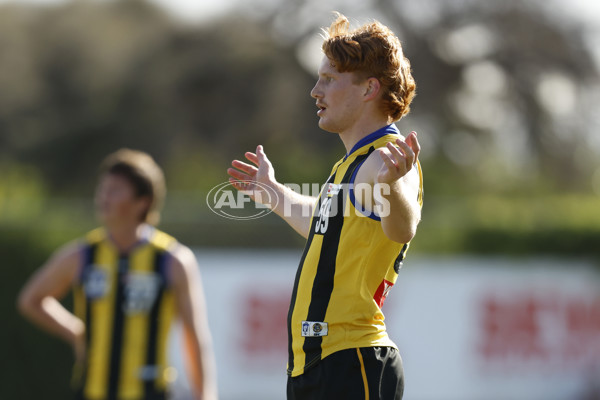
(503, 105)
(86, 78)
(503, 87)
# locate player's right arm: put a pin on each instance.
(38, 301)
(294, 208)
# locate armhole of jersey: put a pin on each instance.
(371, 215)
(85, 261)
(166, 269)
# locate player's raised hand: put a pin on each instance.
(399, 159)
(252, 179)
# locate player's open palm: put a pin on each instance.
(253, 179)
(399, 159)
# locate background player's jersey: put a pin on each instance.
(347, 268)
(127, 306)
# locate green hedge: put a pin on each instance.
(567, 225)
(33, 365)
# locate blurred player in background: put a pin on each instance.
(359, 228)
(130, 281)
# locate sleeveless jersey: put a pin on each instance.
(127, 306)
(346, 271)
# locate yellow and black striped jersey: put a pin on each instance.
(127, 306)
(346, 270)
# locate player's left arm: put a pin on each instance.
(393, 172)
(189, 296)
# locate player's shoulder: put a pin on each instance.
(161, 240)
(183, 255)
(374, 162)
(381, 143)
(94, 236)
(68, 255)
(183, 264)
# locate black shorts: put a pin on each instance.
(373, 373)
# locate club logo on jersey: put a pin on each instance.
(333, 189)
(317, 328)
(141, 290)
(314, 329)
(95, 282)
(305, 328)
(256, 201)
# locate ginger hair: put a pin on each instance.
(372, 50)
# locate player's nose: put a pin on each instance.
(316, 91)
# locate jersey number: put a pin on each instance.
(323, 222)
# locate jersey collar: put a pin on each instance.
(147, 231)
(370, 138)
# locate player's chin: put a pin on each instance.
(326, 126)
(106, 217)
(103, 219)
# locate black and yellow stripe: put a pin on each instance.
(363, 373)
(345, 271)
(127, 306)
(325, 271)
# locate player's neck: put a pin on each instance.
(126, 236)
(361, 129)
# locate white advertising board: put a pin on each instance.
(467, 328)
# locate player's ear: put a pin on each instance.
(143, 207)
(372, 88)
